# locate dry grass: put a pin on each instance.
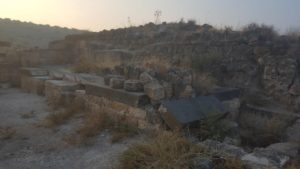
(262, 130)
(159, 65)
(164, 151)
(230, 163)
(123, 129)
(27, 115)
(293, 164)
(60, 117)
(96, 122)
(204, 82)
(6, 133)
(85, 66)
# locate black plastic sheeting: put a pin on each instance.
(190, 110)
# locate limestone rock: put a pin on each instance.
(108, 77)
(116, 83)
(292, 133)
(168, 89)
(154, 90)
(202, 163)
(146, 78)
(188, 92)
(133, 86)
(288, 149)
(267, 158)
(227, 149)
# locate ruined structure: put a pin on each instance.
(156, 73)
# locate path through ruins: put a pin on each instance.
(36, 147)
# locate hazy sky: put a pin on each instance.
(105, 14)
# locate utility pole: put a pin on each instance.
(157, 15)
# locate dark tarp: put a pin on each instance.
(185, 111)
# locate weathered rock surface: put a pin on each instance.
(134, 99)
(133, 86)
(116, 83)
(145, 78)
(154, 90)
(228, 150)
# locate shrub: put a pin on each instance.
(293, 164)
(260, 130)
(204, 82)
(213, 129)
(159, 65)
(164, 151)
(256, 99)
(95, 122)
(202, 62)
(59, 117)
(263, 32)
(6, 133)
(85, 66)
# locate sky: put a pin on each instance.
(96, 15)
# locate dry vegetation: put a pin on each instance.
(293, 164)
(92, 124)
(84, 65)
(204, 82)
(6, 133)
(230, 163)
(61, 116)
(267, 130)
(167, 150)
(159, 65)
(164, 151)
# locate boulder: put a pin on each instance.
(295, 89)
(154, 90)
(289, 149)
(226, 149)
(116, 83)
(34, 72)
(201, 163)
(265, 158)
(292, 133)
(188, 92)
(168, 90)
(133, 86)
(108, 77)
(145, 78)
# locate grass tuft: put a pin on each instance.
(6, 133)
(164, 151)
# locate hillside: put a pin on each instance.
(28, 34)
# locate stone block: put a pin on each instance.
(108, 77)
(38, 84)
(188, 92)
(168, 87)
(59, 92)
(116, 83)
(133, 86)
(134, 99)
(146, 78)
(34, 72)
(155, 91)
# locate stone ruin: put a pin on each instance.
(152, 95)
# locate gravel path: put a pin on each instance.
(36, 147)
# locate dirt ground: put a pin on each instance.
(36, 147)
